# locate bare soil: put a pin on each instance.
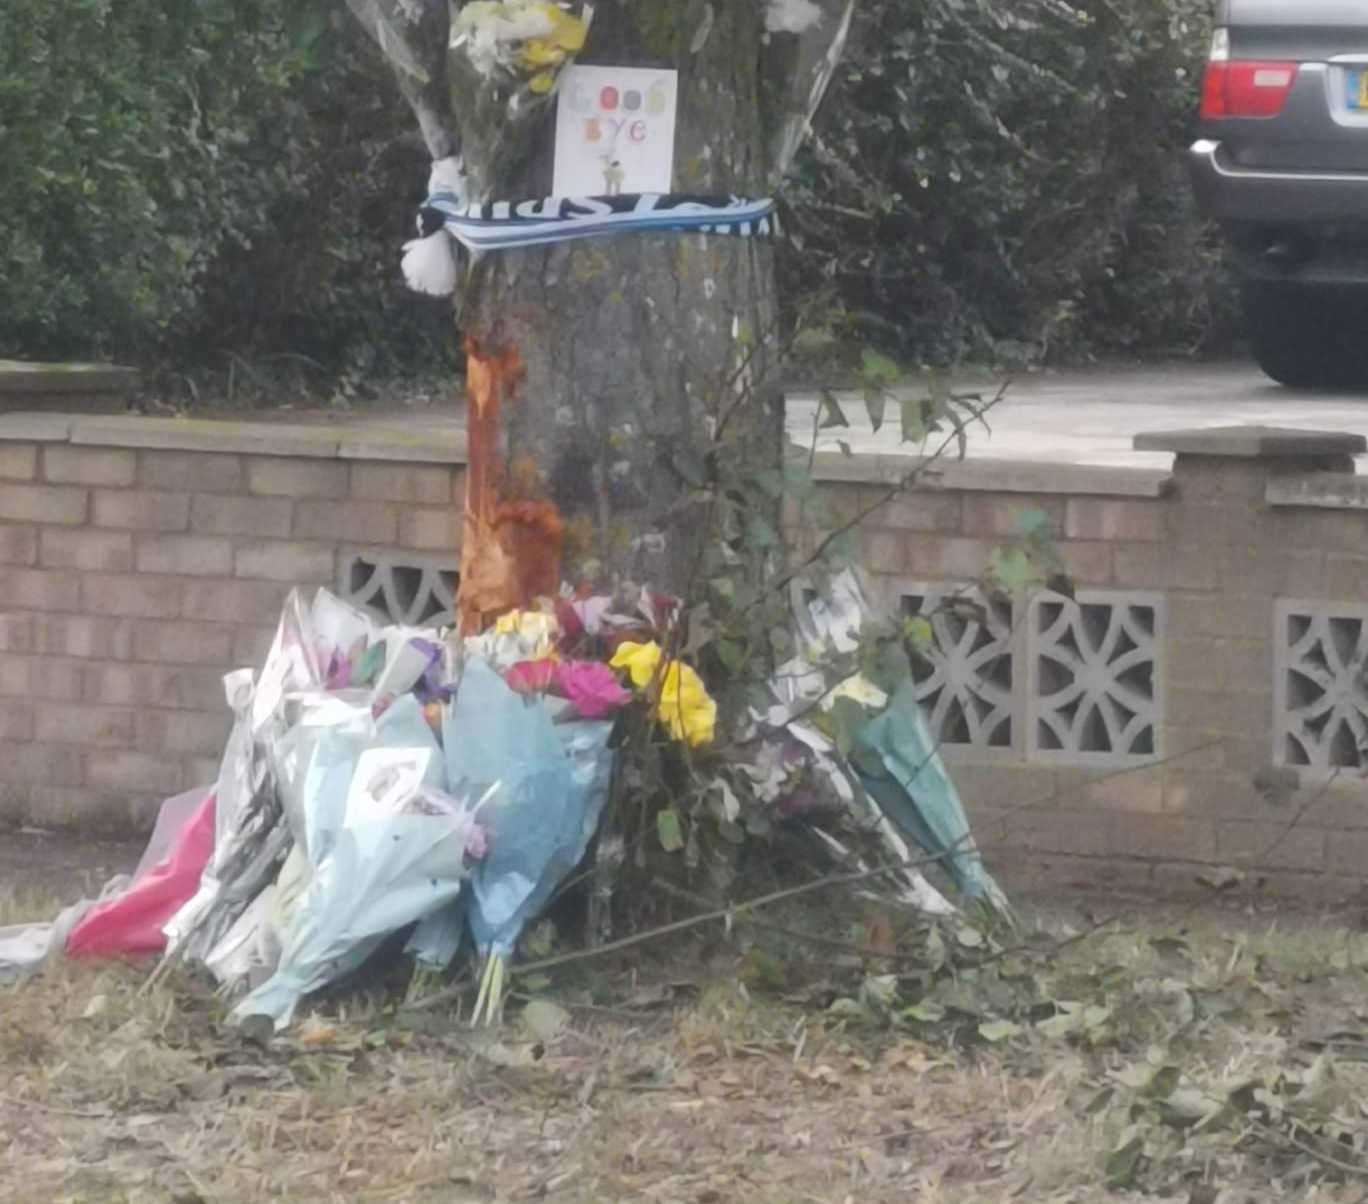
(38, 863)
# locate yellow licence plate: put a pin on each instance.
(1358, 88)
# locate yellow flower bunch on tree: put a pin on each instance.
(531, 38)
(544, 55)
(683, 706)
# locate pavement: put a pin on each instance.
(1086, 418)
(1091, 417)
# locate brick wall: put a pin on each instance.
(140, 560)
(947, 536)
(133, 578)
(1236, 530)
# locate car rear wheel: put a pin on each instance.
(1308, 337)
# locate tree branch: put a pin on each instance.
(413, 37)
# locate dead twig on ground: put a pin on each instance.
(77, 1113)
(720, 914)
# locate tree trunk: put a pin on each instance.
(629, 377)
(633, 352)
(634, 347)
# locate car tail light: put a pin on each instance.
(1243, 87)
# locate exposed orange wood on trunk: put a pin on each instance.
(511, 550)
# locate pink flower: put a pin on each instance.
(592, 687)
(531, 677)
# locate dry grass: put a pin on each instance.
(26, 905)
(657, 1092)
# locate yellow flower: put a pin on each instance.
(640, 661)
(535, 630)
(538, 52)
(565, 36)
(567, 32)
(683, 705)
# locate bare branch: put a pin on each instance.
(413, 36)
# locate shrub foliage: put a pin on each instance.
(203, 183)
(192, 179)
(1005, 181)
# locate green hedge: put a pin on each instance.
(206, 184)
(1002, 181)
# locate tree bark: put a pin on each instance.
(630, 377)
(632, 352)
(634, 347)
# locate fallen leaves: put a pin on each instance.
(1156, 1060)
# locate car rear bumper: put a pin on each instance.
(1231, 193)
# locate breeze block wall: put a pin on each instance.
(1201, 704)
(142, 559)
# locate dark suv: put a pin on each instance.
(1282, 163)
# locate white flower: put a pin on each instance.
(858, 689)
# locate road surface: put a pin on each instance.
(1090, 417)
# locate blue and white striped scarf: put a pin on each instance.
(499, 225)
(430, 267)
